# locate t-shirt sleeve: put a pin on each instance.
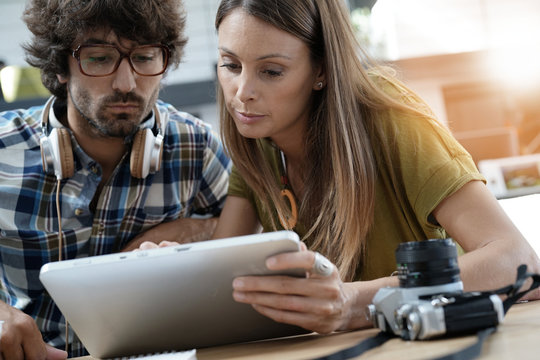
(431, 164)
(420, 156)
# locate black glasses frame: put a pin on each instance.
(166, 51)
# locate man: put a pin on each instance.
(102, 162)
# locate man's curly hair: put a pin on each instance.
(56, 26)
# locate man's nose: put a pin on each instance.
(124, 80)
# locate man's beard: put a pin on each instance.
(119, 125)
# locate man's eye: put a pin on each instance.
(98, 59)
(142, 58)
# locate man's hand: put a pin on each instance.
(20, 338)
(183, 230)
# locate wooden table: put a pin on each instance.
(517, 338)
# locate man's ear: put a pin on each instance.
(62, 79)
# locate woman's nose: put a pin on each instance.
(246, 90)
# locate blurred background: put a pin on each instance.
(475, 62)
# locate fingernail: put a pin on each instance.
(238, 295)
(271, 262)
(238, 284)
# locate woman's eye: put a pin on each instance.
(230, 66)
(273, 73)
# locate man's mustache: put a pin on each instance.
(118, 97)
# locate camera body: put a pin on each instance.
(430, 300)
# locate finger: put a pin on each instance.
(314, 263)
(291, 260)
(54, 353)
(321, 267)
(166, 243)
(147, 245)
(326, 288)
(21, 339)
(304, 320)
(33, 346)
(295, 303)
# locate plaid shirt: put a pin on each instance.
(193, 179)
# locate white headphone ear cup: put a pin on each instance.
(57, 154)
(145, 153)
(47, 159)
(156, 153)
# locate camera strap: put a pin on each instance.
(511, 291)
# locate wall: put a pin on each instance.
(190, 87)
(200, 54)
(414, 28)
(417, 32)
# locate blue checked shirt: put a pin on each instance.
(193, 179)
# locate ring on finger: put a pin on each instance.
(321, 266)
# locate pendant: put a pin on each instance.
(289, 222)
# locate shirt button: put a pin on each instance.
(78, 212)
(94, 169)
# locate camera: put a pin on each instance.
(430, 301)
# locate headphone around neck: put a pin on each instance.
(57, 153)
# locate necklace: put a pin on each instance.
(288, 222)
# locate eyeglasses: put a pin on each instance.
(103, 59)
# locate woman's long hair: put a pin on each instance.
(340, 171)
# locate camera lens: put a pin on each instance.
(427, 263)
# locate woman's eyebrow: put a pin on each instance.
(263, 57)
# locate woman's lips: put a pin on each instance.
(248, 118)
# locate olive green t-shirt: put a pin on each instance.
(419, 164)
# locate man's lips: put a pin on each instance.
(123, 107)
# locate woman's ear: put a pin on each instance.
(320, 80)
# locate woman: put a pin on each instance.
(328, 145)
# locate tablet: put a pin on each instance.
(167, 299)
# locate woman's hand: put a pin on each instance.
(318, 303)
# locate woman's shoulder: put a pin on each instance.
(387, 81)
(403, 110)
